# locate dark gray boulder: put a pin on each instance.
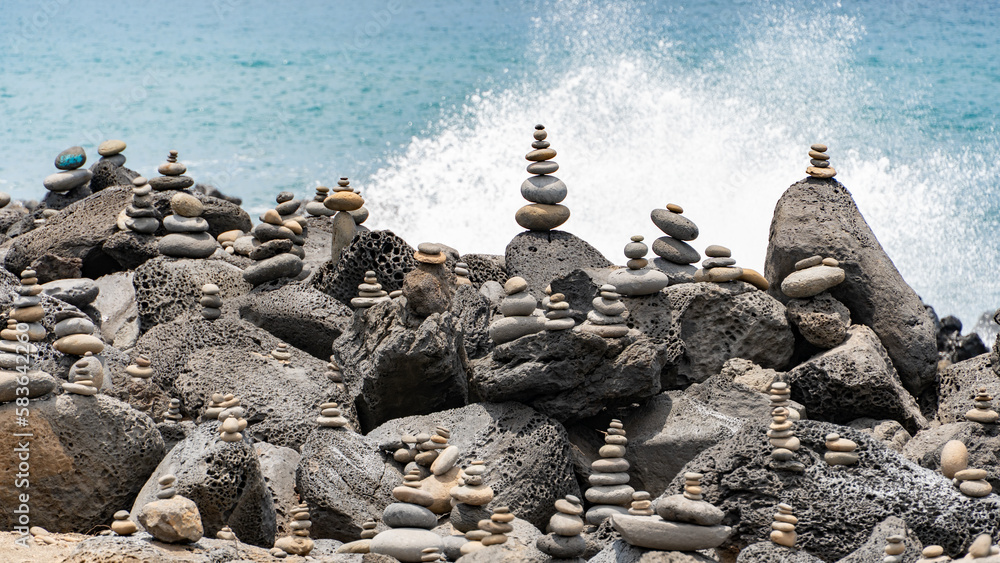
(485, 267)
(541, 256)
(299, 315)
(821, 320)
(278, 466)
(472, 312)
(959, 383)
(527, 453)
(874, 548)
(143, 547)
(379, 251)
(570, 375)
(767, 552)
(169, 288)
(108, 173)
(224, 479)
(816, 216)
(621, 552)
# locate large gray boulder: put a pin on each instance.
(853, 380)
(621, 552)
(570, 375)
(299, 315)
(837, 506)
(816, 216)
(382, 252)
(981, 440)
(874, 548)
(224, 479)
(396, 364)
(541, 256)
(143, 547)
(167, 288)
(345, 482)
(959, 383)
(89, 457)
(527, 454)
(278, 466)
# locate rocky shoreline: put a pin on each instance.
(186, 383)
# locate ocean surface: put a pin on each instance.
(428, 106)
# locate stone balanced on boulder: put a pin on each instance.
(544, 191)
(187, 231)
(334, 373)
(369, 293)
(565, 541)
(973, 483)
(70, 174)
(428, 288)
(111, 151)
(140, 216)
(894, 549)
(609, 492)
(140, 368)
(812, 276)
(122, 525)
(27, 309)
(277, 249)
(85, 376)
(470, 498)
(781, 434)
(173, 413)
(840, 450)
(819, 162)
(780, 395)
(462, 274)
(607, 319)
(983, 412)
(232, 425)
(287, 206)
(171, 518)
(226, 533)
(684, 522)
(343, 200)
(636, 278)
(518, 310)
(674, 255)
(211, 302)
(316, 208)
(331, 416)
(299, 542)
(557, 313)
(218, 404)
(16, 348)
(173, 177)
(75, 334)
(410, 522)
(783, 527)
(719, 269)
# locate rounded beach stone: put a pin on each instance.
(514, 285)
(674, 224)
(405, 544)
(971, 474)
(188, 245)
(755, 278)
(652, 532)
(808, 262)
(166, 183)
(541, 217)
(111, 147)
(65, 181)
(181, 224)
(71, 158)
(343, 201)
(811, 281)
(546, 167)
(676, 251)
(975, 488)
(562, 547)
(954, 458)
(678, 508)
(186, 205)
(445, 460)
(408, 515)
(565, 524)
(79, 344)
(720, 275)
(674, 208)
(518, 305)
(816, 172)
(544, 189)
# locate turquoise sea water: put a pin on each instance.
(428, 106)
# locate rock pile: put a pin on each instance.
(841, 450)
(187, 231)
(287, 206)
(299, 542)
(334, 374)
(783, 527)
(369, 293)
(86, 376)
(330, 416)
(641, 505)
(140, 216)
(140, 368)
(470, 498)
(232, 426)
(564, 540)
(75, 334)
(983, 411)
(780, 395)
(316, 208)
(684, 522)
(211, 302)
(282, 353)
(720, 267)
(410, 521)
(122, 525)
(894, 549)
(173, 177)
(226, 533)
(608, 317)
(609, 492)
(218, 404)
(462, 274)
(27, 309)
(70, 174)
(819, 163)
(636, 278)
(676, 255)
(557, 313)
(171, 518)
(782, 437)
(544, 191)
(973, 483)
(275, 246)
(173, 413)
(812, 276)
(344, 201)
(111, 151)
(518, 310)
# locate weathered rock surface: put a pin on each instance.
(485, 267)
(382, 252)
(767, 552)
(981, 441)
(821, 320)
(874, 548)
(141, 547)
(299, 315)
(278, 466)
(621, 552)
(819, 217)
(958, 384)
(169, 288)
(541, 256)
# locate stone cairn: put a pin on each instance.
(607, 319)
(330, 416)
(636, 278)
(226, 533)
(609, 492)
(518, 310)
(232, 425)
(140, 368)
(780, 395)
(812, 276)
(543, 190)
(557, 313)
(564, 540)
(316, 208)
(275, 245)
(173, 177)
(140, 216)
(718, 269)
(444, 475)
(819, 163)
(344, 200)
(782, 437)
(410, 521)
(287, 205)
(219, 403)
(282, 353)
(498, 526)
(111, 151)
(211, 302)
(171, 518)
(74, 334)
(894, 549)
(122, 525)
(973, 483)
(86, 376)
(462, 274)
(470, 498)
(783, 526)
(70, 175)
(933, 554)
(369, 293)
(187, 231)
(27, 308)
(432, 554)
(684, 522)
(671, 248)
(334, 374)
(173, 413)
(983, 412)
(841, 450)
(299, 542)
(641, 504)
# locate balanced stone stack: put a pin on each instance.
(780, 395)
(609, 492)
(557, 313)
(276, 247)
(111, 151)
(211, 302)
(933, 554)
(173, 413)
(564, 540)
(894, 549)
(287, 206)
(608, 317)
(140, 216)
(344, 200)
(498, 526)
(973, 483)
(518, 310)
(282, 353)
(231, 427)
(636, 278)
(299, 542)
(841, 450)
(719, 269)
(675, 255)
(316, 208)
(684, 522)
(74, 332)
(173, 177)
(28, 311)
(470, 498)
(70, 174)
(410, 522)
(462, 274)
(544, 191)
(783, 526)
(187, 231)
(331, 416)
(983, 411)
(86, 376)
(218, 404)
(782, 437)
(122, 526)
(812, 276)
(819, 162)
(369, 293)
(363, 545)
(226, 534)
(171, 518)
(334, 374)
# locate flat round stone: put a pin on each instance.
(821, 172)
(111, 147)
(66, 181)
(71, 158)
(675, 251)
(165, 183)
(717, 251)
(674, 208)
(545, 167)
(539, 155)
(674, 224)
(544, 189)
(541, 217)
